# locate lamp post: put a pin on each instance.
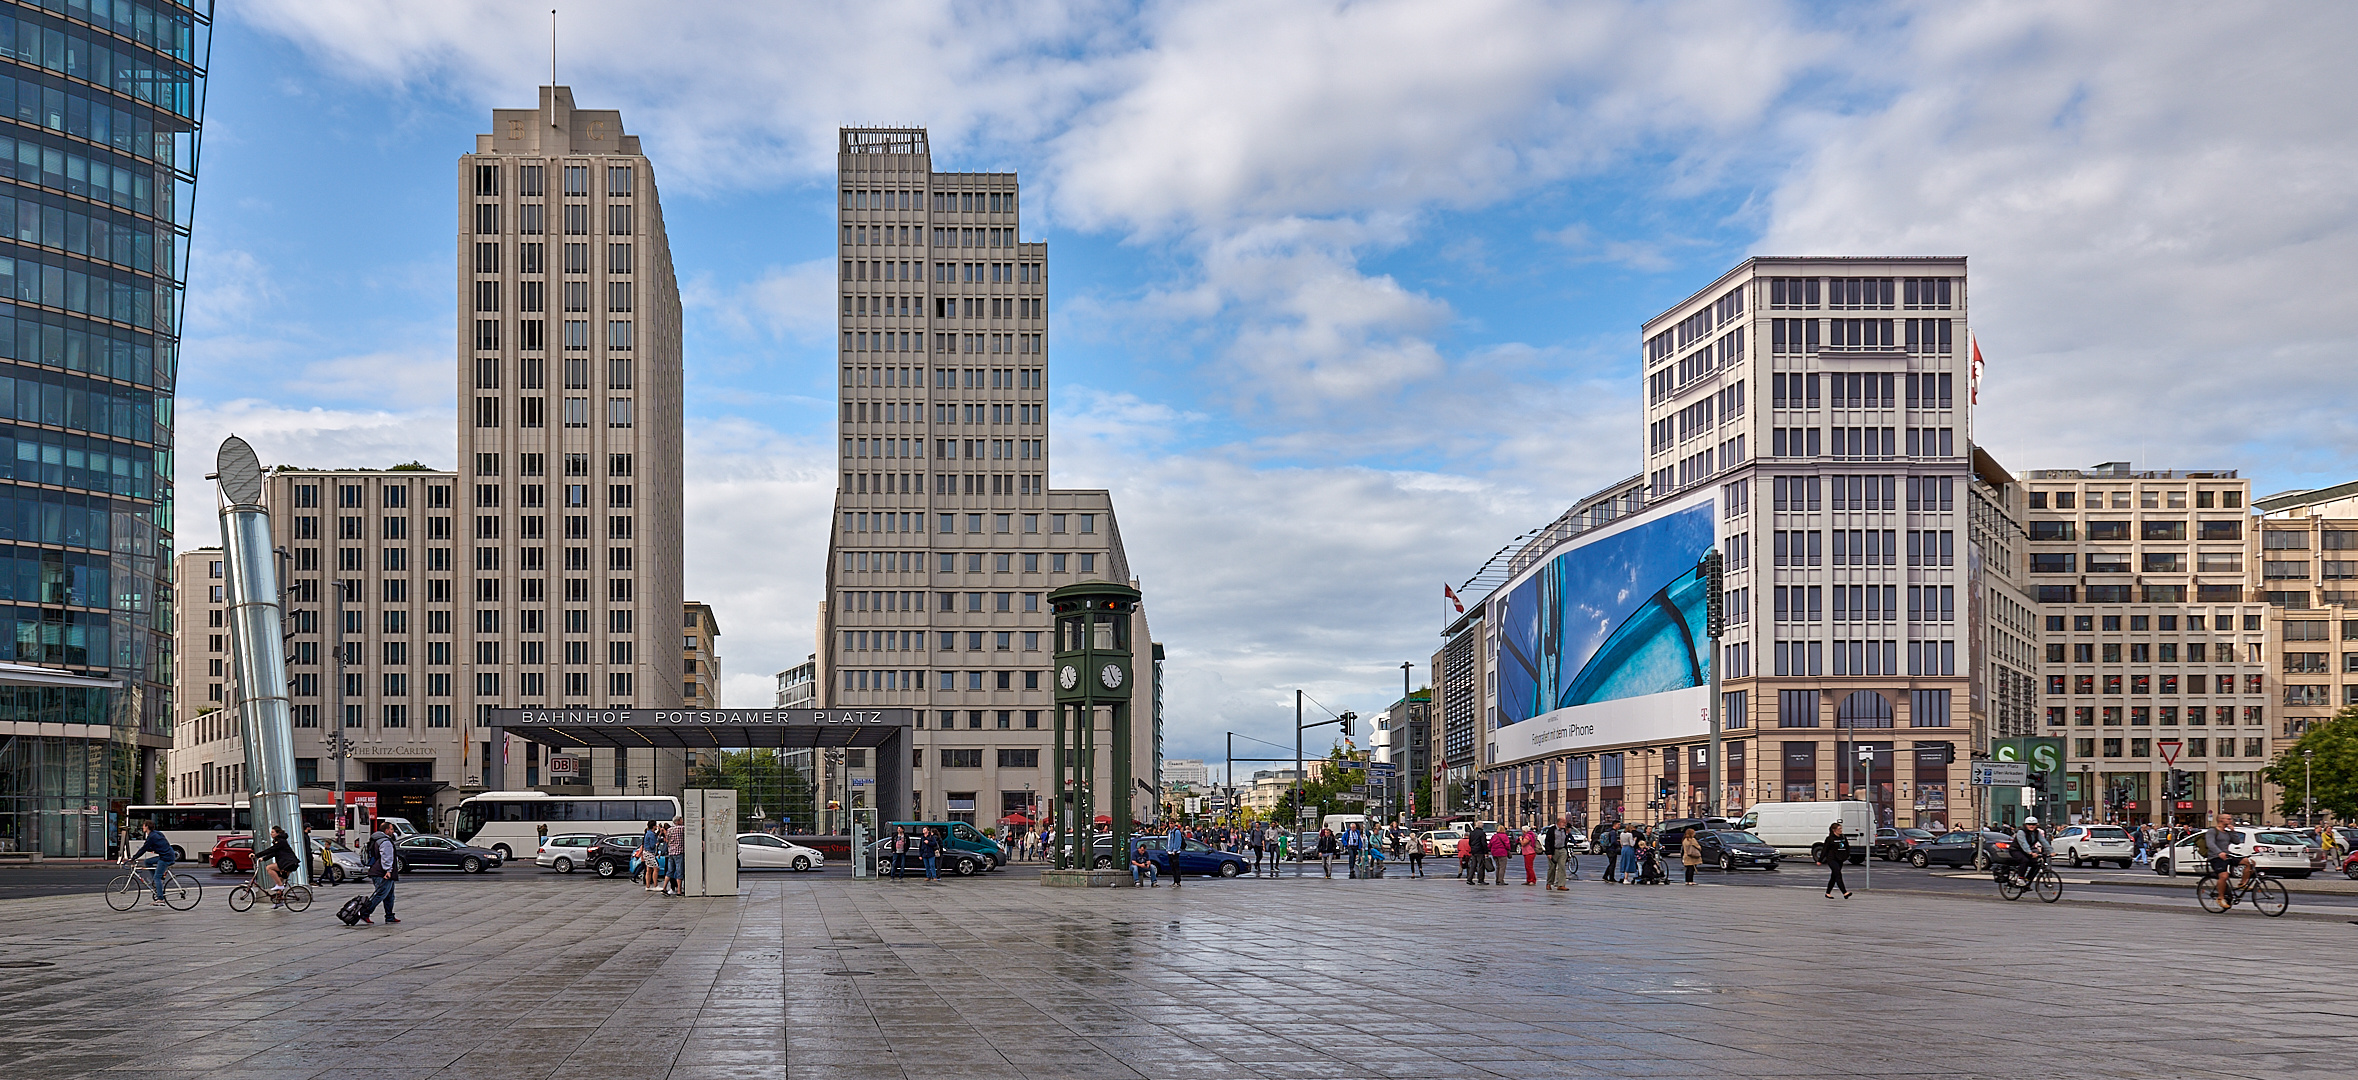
(1344, 719)
(2308, 789)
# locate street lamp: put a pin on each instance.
(2308, 789)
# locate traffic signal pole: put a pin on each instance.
(1715, 623)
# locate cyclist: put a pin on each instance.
(161, 848)
(2219, 841)
(2030, 848)
(276, 862)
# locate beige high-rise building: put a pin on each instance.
(947, 538)
(569, 436)
(2151, 632)
(208, 758)
(700, 674)
(2304, 560)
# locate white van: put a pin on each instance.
(1796, 828)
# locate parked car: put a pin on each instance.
(1198, 859)
(610, 857)
(1729, 850)
(563, 852)
(426, 851)
(2080, 845)
(952, 861)
(1893, 845)
(957, 836)
(761, 851)
(1672, 833)
(331, 863)
(2274, 852)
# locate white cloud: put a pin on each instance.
(757, 507)
(310, 438)
(793, 303)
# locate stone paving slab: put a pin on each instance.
(524, 977)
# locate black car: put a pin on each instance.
(1731, 850)
(951, 861)
(1957, 848)
(611, 857)
(426, 851)
(1893, 845)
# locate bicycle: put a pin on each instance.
(2014, 880)
(242, 897)
(2268, 895)
(181, 892)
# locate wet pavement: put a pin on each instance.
(525, 975)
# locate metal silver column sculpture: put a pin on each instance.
(257, 651)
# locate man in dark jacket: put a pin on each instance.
(1326, 851)
(1562, 864)
(161, 848)
(384, 864)
(1612, 851)
(1478, 854)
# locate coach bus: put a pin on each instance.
(198, 826)
(511, 822)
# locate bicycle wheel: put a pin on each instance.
(2011, 887)
(2207, 891)
(297, 897)
(183, 892)
(2050, 885)
(241, 898)
(2269, 895)
(122, 894)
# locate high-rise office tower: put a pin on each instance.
(100, 103)
(569, 418)
(947, 538)
(1829, 402)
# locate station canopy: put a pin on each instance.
(708, 728)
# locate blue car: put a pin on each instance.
(1197, 860)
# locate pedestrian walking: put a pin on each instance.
(1174, 842)
(1530, 846)
(675, 857)
(1259, 841)
(1416, 858)
(1479, 859)
(1326, 851)
(1557, 841)
(1502, 851)
(1611, 843)
(1465, 857)
(1690, 853)
(384, 868)
(929, 847)
(898, 847)
(1285, 850)
(1834, 852)
(651, 857)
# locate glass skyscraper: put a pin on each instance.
(100, 102)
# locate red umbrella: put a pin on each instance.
(1015, 819)
(1104, 819)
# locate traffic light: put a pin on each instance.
(2181, 785)
(1347, 718)
(1948, 753)
(2038, 783)
(1662, 786)
(1715, 621)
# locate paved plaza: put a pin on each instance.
(523, 975)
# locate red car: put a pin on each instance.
(233, 855)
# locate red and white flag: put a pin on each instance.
(1973, 377)
(1450, 595)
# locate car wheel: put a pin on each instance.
(1231, 869)
(335, 875)
(2162, 866)
(223, 865)
(606, 868)
(401, 866)
(802, 862)
(2291, 873)
(1981, 860)
(504, 853)
(967, 868)
(470, 865)
(2350, 871)
(2126, 863)
(2076, 862)
(1919, 860)
(1772, 864)
(1102, 862)
(563, 865)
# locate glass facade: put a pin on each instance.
(100, 103)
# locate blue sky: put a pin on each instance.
(1343, 296)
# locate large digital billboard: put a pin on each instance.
(1602, 642)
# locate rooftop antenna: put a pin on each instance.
(552, 46)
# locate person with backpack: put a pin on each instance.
(384, 867)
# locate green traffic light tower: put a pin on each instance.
(1093, 671)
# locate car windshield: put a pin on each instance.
(1739, 838)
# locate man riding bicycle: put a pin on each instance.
(2218, 843)
(277, 862)
(161, 848)
(2030, 849)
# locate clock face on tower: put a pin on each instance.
(1111, 676)
(1068, 676)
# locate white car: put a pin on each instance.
(563, 853)
(1442, 842)
(2080, 845)
(761, 851)
(2274, 852)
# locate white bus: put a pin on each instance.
(509, 822)
(194, 828)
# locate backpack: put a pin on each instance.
(351, 913)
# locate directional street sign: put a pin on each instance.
(1383, 769)
(2001, 773)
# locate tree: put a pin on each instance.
(2331, 772)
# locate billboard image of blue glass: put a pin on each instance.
(1609, 620)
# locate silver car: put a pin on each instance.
(2080, 845)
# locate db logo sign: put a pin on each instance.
(564, 765)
